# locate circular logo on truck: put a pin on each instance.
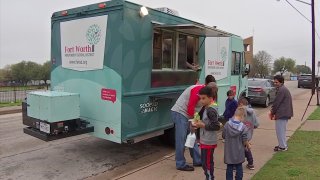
(223, 53)
(93, 34)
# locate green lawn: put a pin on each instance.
(315, 115)
(10, 104)
(301, 161)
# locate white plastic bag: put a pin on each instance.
(191, 139)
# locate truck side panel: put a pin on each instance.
(141, 113)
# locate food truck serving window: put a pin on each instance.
(236, 63)
(165, 46)
(174, 51)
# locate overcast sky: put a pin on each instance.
(277, 27)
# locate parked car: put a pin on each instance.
(261, 91)
(305, 80)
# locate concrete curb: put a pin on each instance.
(144, 167)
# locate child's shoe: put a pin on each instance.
(277, 148)
(251, 167)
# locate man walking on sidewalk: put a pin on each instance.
(281, 112)
(181, 112)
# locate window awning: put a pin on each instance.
(193, 29)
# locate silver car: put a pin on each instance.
(261, 91)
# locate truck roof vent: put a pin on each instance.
(168, 10)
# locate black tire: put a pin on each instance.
(168, 137)
(267, 101)
(299, 86)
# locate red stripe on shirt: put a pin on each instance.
(193, 99)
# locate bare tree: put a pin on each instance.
(260, 64)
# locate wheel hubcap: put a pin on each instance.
(267, 101)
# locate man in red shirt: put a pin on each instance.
(181, 112)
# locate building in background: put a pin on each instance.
(248, 50)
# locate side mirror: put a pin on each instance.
(246, 70)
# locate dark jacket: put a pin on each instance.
(231, 106)
(235, 134)
(208, 134)
(282, 105)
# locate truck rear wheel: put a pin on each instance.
(168, 137)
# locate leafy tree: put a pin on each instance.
(2, 75)
(260, 64)
(302, 69)
(45, 71)
(288, 63)
(33, 70)
(18, 72)
(6, 73)
(25, 71)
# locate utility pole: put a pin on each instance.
(313, 50)
(313, 42)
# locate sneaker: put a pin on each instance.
(197, 165)
(280, 149)
(186, 168)
(251, 167)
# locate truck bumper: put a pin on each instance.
(52, 131)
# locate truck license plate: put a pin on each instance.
(44, 127)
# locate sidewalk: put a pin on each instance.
(311, 125)
(10, 110)
(263, 143)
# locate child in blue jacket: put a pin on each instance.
(231, 105)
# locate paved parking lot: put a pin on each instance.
(79, 157)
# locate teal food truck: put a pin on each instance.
(118, 68)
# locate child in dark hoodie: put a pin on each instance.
(209, 125)
(252, 123)
(231, 105)
(236, 140)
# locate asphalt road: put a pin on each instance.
(79, 157)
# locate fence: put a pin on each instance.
(10, 94)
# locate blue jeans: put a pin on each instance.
(239, 171)
(181, 131)
(281, 128)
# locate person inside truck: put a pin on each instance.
(181, 112)
(193, 66)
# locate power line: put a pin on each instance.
(303, 15)
(298, 11)
(318, 34)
